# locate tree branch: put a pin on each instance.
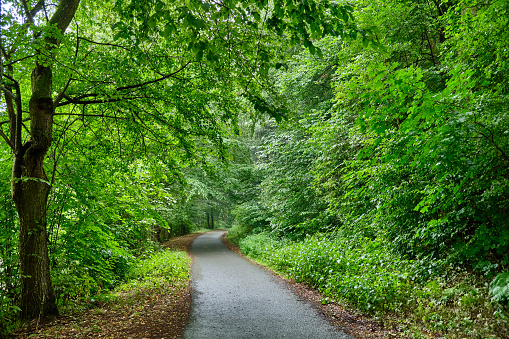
(21, 59)
(2, 134)
(62, 93)
(78, 100)
(155, 80)
(28, 13)
(8, 121)
(64, 14)
(19, 114)
(492, 141)
(38, 6)
(103, 43)
(92, 115)
(89, 102)
(9, 93)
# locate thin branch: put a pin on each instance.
(56, 157)
(8, 121)
(62, 93)
(28, 13)
(9, 93)
(19, 114)
(492, 141)
(90, 102)
(104, 43)
(92, 115)
(155, 80)
(2, 134)
(77, 100)
(10, 78)
(21, 59)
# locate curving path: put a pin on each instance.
(234, 298)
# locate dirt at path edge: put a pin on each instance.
(154, 315)
(358, 326)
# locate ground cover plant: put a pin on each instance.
(366, 276)
(153, 298)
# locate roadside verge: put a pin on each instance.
(356, 325)
(156, 307)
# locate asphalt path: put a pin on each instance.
(235, 298)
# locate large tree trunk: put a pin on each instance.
(30, 190)
(37, 297)
(30, 186)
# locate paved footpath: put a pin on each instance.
(234, 298)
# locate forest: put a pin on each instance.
(360, 147)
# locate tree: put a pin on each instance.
(177, 96)
(30, 186)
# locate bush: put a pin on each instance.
(499, 288)
(164, 271)
(357, 269)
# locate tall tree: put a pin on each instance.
(30, 186)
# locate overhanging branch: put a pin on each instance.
(91, 102)
(78, 100)
(92, 115)
(103, 43)
(18, 60)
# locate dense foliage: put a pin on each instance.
(392, 171)
(362, 148)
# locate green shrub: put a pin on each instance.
(499, 288)
(8, 313)
(163, 272)
(172, 264)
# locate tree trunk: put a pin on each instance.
(29, 186)
(30, 190)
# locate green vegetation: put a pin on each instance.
(159, 271)
(360, 147)
(164, 272)
(387, 186)
(366, 276)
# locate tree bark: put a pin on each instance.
(30, 186)
(30, 189)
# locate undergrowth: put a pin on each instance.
(425, 297)
(162, 272)
(153, 274)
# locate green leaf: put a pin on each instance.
(168, 30)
